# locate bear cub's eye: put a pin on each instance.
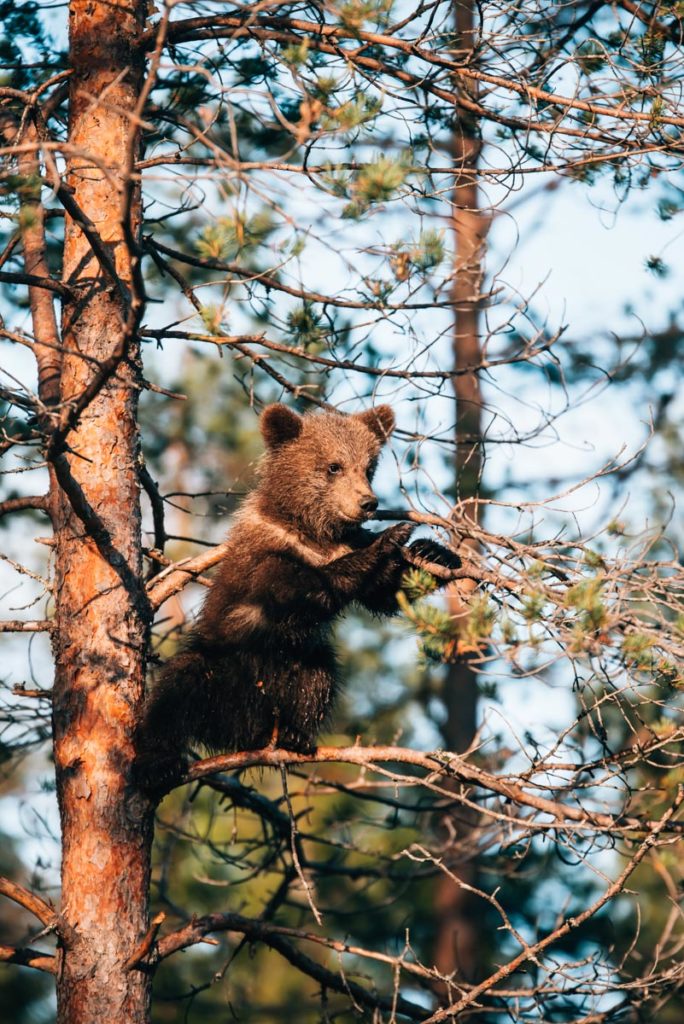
(334, 468)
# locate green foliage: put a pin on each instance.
(353, 14)
(234, 233)
(358, 111)
(651, 47)
(536, 569)
(434, 627)
(418, 584)
(304, 325)
(585, 174)
(482, 615)
(325, 87)
(637, 650)
(19, 185)
(24, 42)
(657, 111)
(590, 56)
(657, 266)
(296, 54)
(533, 606)
(667, 209)
(213, 319)
(593, 559)
(586, 597)
(440, 640)
(375, 182)
(508, 631)
(254, 69)
(423, 255)
(337, 180)
(668, 674)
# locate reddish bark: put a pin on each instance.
(101, 612)
(41, 301)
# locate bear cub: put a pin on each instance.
(259, 667)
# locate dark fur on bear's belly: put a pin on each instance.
(242, 698)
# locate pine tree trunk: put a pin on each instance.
(101, 612)
(457, 947)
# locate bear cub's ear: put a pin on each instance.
(279, 425)
(380, 421)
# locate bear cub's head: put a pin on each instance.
(318, 468)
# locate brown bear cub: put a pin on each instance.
(259, 665)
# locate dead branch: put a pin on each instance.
(141, 951)
(532, 951)
(439, 763)
(39, 502)
(29, 958)
(46, 914)
(177, 576)
(21, 691)
(27, 626)
(258, 931)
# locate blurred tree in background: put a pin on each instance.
(207, 207)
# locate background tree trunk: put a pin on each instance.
(457, 947)
(102, 617)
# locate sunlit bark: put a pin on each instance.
(101, 610)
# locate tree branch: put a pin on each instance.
(29, 958)
(157, 503)
(271, 935)
(34, 281)
(98, 531)
(141, 951)
(570, 924)
(437, 764)
(33, 501)
(26, 626)
(249, 275)
(177, 576)
(46, 914)
(45, 330)
(328, 38)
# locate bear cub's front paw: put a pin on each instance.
(431, 551)
(395, 536)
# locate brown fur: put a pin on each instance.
(260, 660)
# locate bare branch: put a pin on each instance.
(258, 931)
(21, 626)
(29, 958)
(38, 502)
(139, 954)
(532, 951)
(439, 763)
(46, 914)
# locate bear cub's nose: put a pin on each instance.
(369, 504)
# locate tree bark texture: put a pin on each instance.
(101, 612)
(41, 301)
(457, 947)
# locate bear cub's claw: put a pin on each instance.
(396, 536)
(431, 551)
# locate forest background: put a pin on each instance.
(473, 212)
